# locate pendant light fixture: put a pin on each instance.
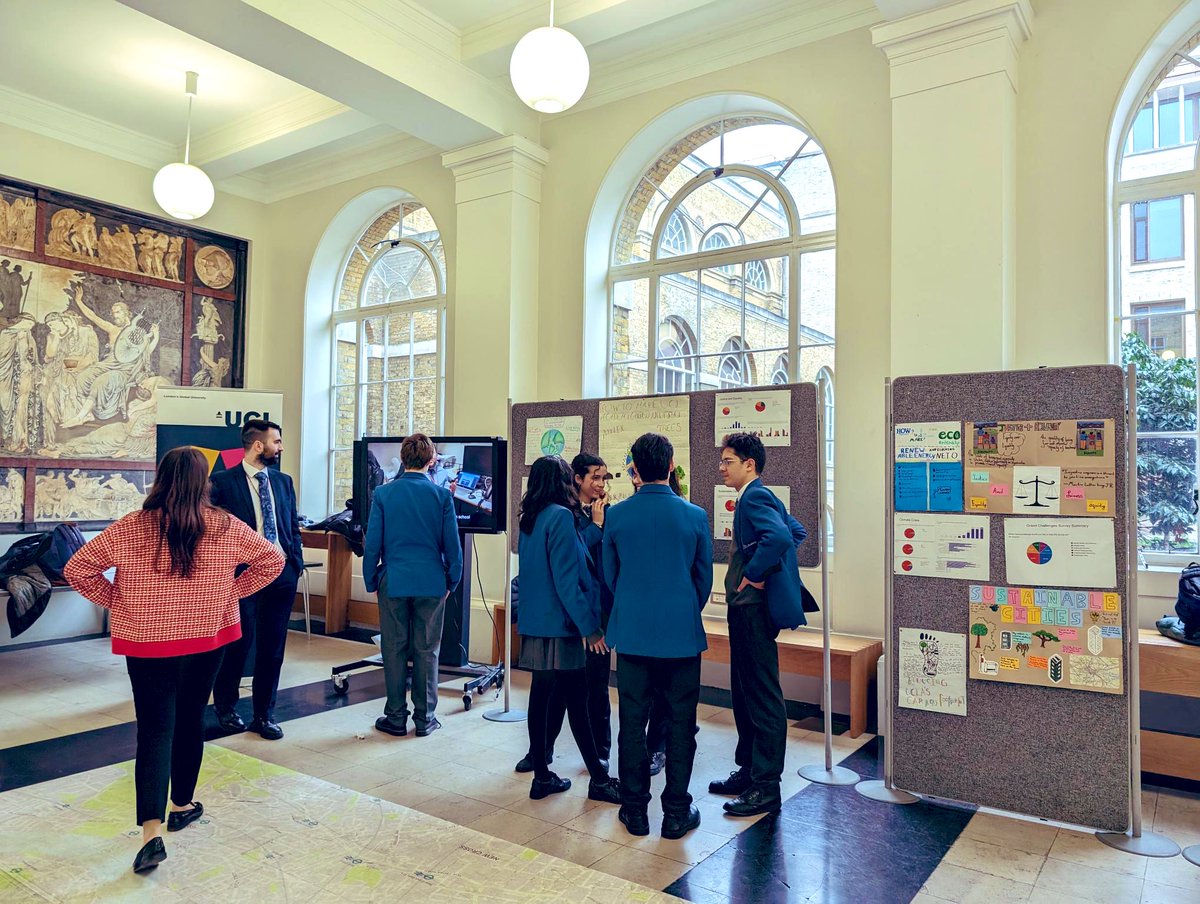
(182, 190)
(549, 68)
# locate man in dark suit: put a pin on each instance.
(265, 499)
(762, 565)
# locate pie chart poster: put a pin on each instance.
(212, 419)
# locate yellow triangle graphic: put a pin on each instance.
(211, 455)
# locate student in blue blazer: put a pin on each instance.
(763, 579)
(412, 557)
(560, 621)
(658, 562)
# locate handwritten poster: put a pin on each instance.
(933, 671)
(767, 414)
(1041, 468)
(1066, 552)
(941, 546)
(1047, 637)
(725, 504)
(561, 436)
(623, 420)
(928, 467)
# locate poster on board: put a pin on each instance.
(941, 546)
(933, 671)
(211, 419)
(725, 504)
(1048, 637)
(561, 436)
(623, 420)
(928, 467)
(767, 414)
(1062, 552)
(1062, 467)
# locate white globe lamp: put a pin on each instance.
(549, 68)
(182, 190)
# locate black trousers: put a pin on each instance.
(169, 697)
(677, 682)
(599, 708)
(758, 707)
(569, 685)
(265, 617)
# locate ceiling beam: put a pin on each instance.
(355, 53)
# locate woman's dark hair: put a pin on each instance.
(551, 482)
(673, 483)
(180, 497)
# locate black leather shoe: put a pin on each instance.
(608, 791)
(635, 821)
(428, 728)
(230, 721)
(657, 762)
(545, 787)
(387, 726)
(737, 783)
(178, 819)
(676, 825)
(153, 853)
(525, 764)
(266, 729)
(754, 801)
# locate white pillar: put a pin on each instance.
(954, 93)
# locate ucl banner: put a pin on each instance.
(211, 419)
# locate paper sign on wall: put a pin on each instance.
(725, 503)
(933, 671)
(766, 414)
(941, 546)
(561, 436)
(623, 420)
(1066, 552)
(928, 467)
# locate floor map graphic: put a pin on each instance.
(941, 546)
(928, 467)
(1046, 637)
(1040, 468)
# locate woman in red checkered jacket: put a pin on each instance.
(181, 567)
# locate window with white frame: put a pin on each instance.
(1155, 260)
(388, 337)
(730, 234)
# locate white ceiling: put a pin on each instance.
(295, 94)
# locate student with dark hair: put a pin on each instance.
(413, 558)
(263, 498)
(173, 605)
(762, 567)
(658, 563)
(560, 619)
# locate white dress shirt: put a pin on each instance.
(252, 478)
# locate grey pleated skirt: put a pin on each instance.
(564, 653)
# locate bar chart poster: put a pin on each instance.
(941, 546)
(767, 414)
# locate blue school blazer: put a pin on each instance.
(559, 597)
(412, 539)
(658, 563)
(767, 537)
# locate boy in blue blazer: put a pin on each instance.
(658, 563)
(412, 557)
(763, 578)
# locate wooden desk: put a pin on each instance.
(338, 563)
(1169, 667)
(852, 659)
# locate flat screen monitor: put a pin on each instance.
(474, 469)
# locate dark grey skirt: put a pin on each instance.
(552, 653)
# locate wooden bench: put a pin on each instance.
(1169, 667)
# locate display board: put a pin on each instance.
(794, 466)
(1044, 613)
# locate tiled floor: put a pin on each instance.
(829, 844)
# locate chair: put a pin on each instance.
(304, 587)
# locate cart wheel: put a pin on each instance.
(341, 685)
(466, 701)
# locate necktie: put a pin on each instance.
(268, 510)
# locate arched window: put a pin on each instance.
(388, 337)
(676, 351)
(779, 373)
(1155, 253)
(730, 233)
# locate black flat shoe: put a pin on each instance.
(387, 726)
(525, 764)
(153, 853)
(428, 728)
(607, 791)
(635, 821)
(266, 729)
(541, 788)
(676, 825)
(737, 783)
(753, 802)
(178, 819)
(657, 762)
(230, 722)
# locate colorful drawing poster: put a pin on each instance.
(766, 413)
(1064, 552)
(1041, 468)
(941, 546)
(1047, 637)
(623, 420)
(928, 467)
(933, 671)
(561, 436)
(725, 504)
